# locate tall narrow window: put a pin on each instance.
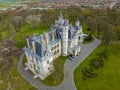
(48, 62)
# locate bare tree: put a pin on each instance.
(33, 19)
(17, 23)
(107, 34)
(100, 28)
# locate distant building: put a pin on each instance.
(61, 39)
(115, 6)
(3, 9)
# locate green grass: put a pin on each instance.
(57, 76)
(28, 32)
(4, 34)
(108, 76)
(17, 81)
(85, 27)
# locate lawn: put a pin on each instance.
(26, 32)
(18, 83)
(108, 77)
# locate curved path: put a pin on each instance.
(69, 67)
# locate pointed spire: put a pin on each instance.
(61, 16)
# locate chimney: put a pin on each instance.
(28, 44)
(34, 48)
(41, 39)
(46, 37)
(53, 34)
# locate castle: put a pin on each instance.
(61, 39)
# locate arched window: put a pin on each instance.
(58, 45)
(58, 51)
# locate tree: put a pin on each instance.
(107, 34)
(100, 27)
(118, 32)
(17, 23)
(0, 36)
(91, 23)
(33, 19)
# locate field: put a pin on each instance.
(108, 75)
(17, 82)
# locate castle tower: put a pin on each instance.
(65, 36)
(77, 23)
(28, 43)
(65, 41)
(46, 38)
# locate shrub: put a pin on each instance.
(96, 63)
(88, 74)
(88, 38)
(103, 55)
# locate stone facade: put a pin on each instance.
(61, 39)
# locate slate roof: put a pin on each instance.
(47, 55)
(75, 47)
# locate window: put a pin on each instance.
(65, 28)
(58, 51)
(30, 65)
(65, 47)
(58, 45)
(55, 52)
(48, 62)
(65, 41)
(54, 47)
(52, 52)
(38, 68)
(48, 68)
(51, 48)
(65, 44)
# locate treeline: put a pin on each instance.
(98, 22)
(6, 1)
